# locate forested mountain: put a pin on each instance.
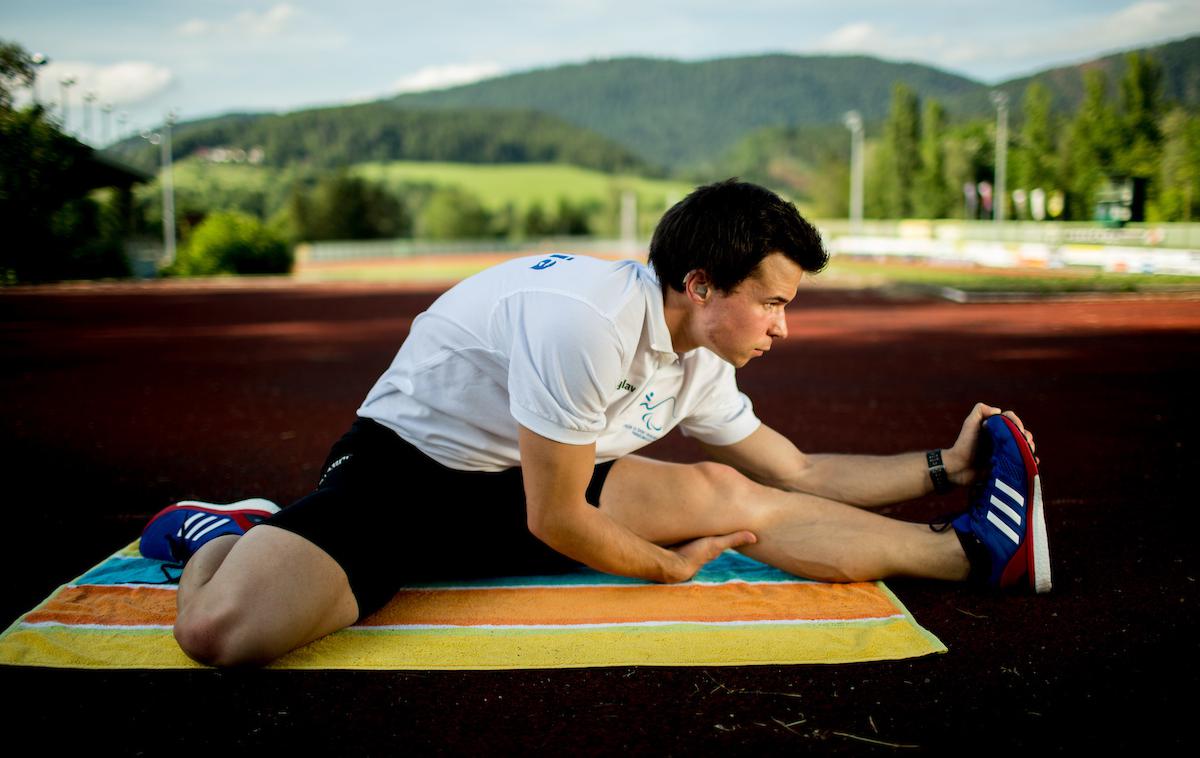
(636, 114)
(335, 137)
(1180, 61)
(675, 113)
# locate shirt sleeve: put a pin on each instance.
(565, 358)
(724, 415)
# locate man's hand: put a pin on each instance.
(556, 479)
(959, 460)
(698, 552)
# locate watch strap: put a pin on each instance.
(937, 472)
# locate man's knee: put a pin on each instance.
(215, 636)
(734, 493)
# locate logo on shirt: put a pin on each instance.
(625, 385)
(652, 410)
(546, 263)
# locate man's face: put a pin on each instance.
(743, 323)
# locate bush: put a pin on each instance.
(229, 242)
(87, 241)
(343, 207)
(452, 214)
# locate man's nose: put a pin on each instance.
(779, 327)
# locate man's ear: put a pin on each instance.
(696, 285)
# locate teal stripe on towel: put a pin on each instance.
(727, 567)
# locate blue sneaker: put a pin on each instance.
(179, 530)
(1005, 521)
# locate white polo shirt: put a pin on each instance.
(573, 348)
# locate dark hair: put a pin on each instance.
(726, 229)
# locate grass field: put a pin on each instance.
(841, 273)
(849, 272)
(496, 185)
(524, 184)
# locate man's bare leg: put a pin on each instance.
(805, 535)
(252, 598)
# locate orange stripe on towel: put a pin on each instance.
(636, 603)
(524, 606)
(116, 606)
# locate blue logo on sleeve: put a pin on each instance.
(546, 263)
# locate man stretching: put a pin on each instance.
(520, 398)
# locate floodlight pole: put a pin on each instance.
(106, 123)
(168, 188)
(64, 84)
(88, 99)
(163, 140)
(1000, 100)
(38, 60)
(853, 121)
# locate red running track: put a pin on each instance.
(118, 400)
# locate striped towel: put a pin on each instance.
(735, 612)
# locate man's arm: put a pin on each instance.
(556, 476)
(865, 480)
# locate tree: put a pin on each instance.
(537, 222)
(51, 230)
(969, 151)
(348, 208)
(1093, 142)
(453, 213)
(16, 70)
(932, 198)
(1179, 196)
(572, 219)
(899, 157)
(1034, 156)
(1141, 109)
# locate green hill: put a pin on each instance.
(342, 136)
(634, 114)
(674, 113)
(1181, 80)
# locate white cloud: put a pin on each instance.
(268, 24)
(1029, 44)
(438, 77)
(279, 20)
(195, 28)
(851, 37)
(1150, 19)
(122, 83)
(1093, 36)
(869, 39)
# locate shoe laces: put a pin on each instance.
(177, 546)
(167, 577)
(943, 522)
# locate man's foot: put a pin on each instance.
(1004, 530)
(179, 530)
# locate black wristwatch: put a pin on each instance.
(937, 472)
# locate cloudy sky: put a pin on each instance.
(208, 57)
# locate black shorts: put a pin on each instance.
(391, 515)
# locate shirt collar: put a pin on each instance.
(656, 320)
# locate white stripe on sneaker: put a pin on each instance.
(197, 526)
(1008, 532)
(1003, 506)
(191, 520)
(1016, 496)
(210, 528)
